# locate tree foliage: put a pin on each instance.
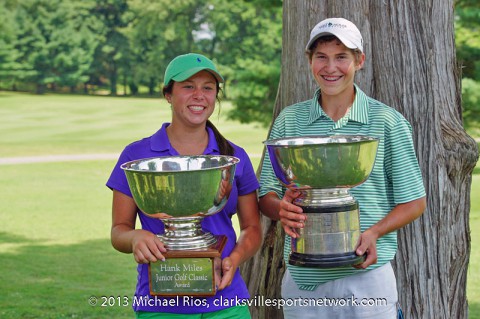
(467, 37)
(253, 46)
(103, 43)
(46, 43)
(471, 102)
(58, 44)
(9, 55)
(112, 53)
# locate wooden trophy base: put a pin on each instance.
(187, 272)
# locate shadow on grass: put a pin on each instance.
(57, 281)
(7, 238)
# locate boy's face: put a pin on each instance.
(333, 66)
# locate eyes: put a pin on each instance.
(190, 88)
(340, 57)
(205, 87)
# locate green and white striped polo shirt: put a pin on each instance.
(396, 177)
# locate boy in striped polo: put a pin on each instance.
(392, 197)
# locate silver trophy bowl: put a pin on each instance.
(323, 169)
(323, 162)
(181, 191)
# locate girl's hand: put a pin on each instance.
(147, 247)
(227, 273)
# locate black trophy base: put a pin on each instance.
(325, 261)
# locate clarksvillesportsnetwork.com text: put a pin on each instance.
(259, 301)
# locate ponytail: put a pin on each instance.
(225, 147)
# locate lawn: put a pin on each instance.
(473, 279)
(55, 252)
(65, 124)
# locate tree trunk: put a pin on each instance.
(40, 88)
(411, 66)
(151, 86)
(113, 79)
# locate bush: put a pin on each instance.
(470, 102)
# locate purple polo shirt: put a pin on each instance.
(244, 183)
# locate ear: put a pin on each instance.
(168, 97)
(361, 62)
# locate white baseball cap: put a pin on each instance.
(344, 30)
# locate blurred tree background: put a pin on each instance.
(467, 39)
(121, 47)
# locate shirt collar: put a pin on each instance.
(160, 142)
(358, 111)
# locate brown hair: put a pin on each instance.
(330, 38)
(223, 144)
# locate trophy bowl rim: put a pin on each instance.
(320, 140)
(160, 180)
(293, 176)
(127, 165)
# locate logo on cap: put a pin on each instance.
(332, 25)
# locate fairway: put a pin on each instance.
(35, 125)
(55, 251)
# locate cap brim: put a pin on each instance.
(188, 73)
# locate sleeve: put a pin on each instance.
(118, 180)
(246, 180)
(268, 180)
(401, 162)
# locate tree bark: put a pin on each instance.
(411, 66)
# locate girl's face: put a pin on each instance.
(193, 100)
(333, 66)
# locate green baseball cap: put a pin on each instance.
(186, 65)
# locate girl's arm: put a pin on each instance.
(250, 238)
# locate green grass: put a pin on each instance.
(473, 279)
(77, 124)
(55, 250)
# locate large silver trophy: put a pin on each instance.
(324, 169)
(181, 191)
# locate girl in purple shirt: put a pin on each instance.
(191, 87)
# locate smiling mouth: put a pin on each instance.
(196, 108)
(330, 78)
